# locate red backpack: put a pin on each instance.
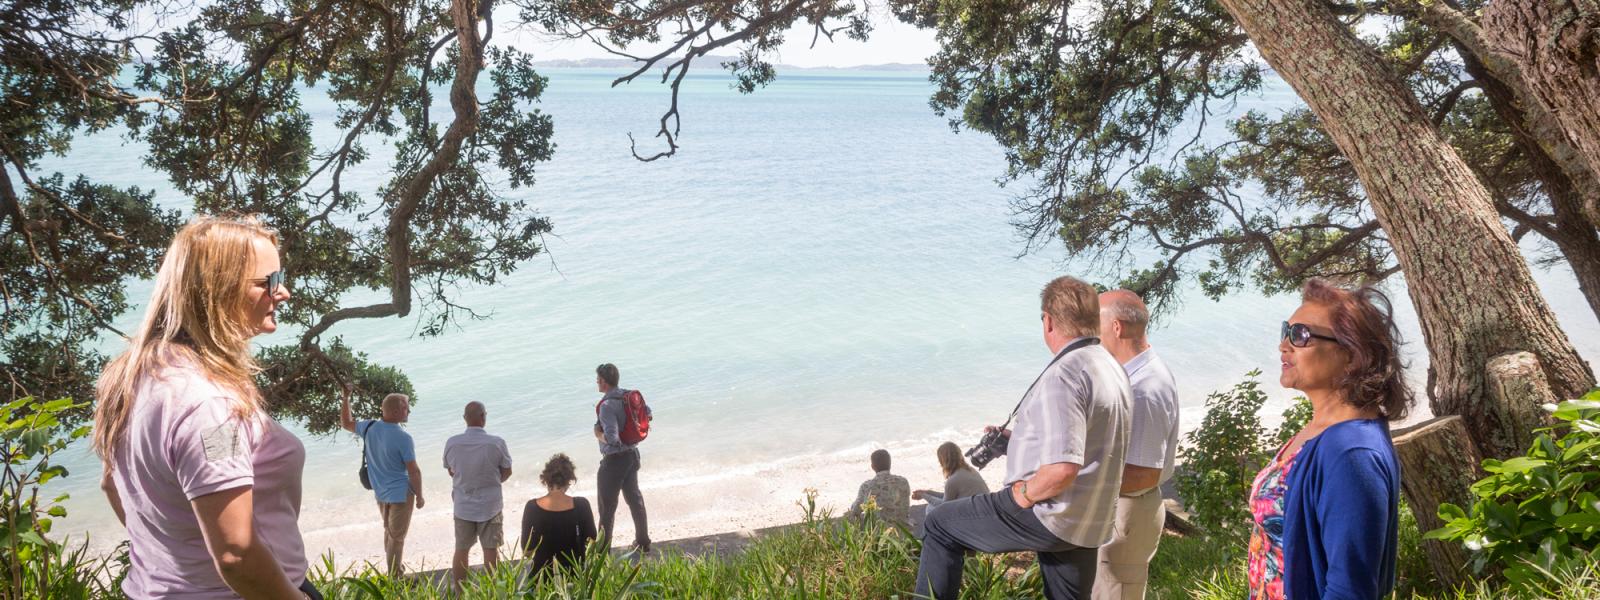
(636, 424)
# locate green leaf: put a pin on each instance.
(33, 538)
(1450, 512)
(57, 511)
(1579, 449)
(1522, 464)
(1579, 520)
(1577, 405)
(1558, 507)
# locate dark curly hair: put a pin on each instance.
(559, 472)
(1363, 322)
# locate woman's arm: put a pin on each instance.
(228, 523)
(110, 488)
(585, 520)
(527, 543)
(1355, 507)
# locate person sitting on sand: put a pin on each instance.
(556, 526)
(892, 493)
(960, 479)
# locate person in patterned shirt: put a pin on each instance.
(891, 493)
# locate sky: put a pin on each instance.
(891, 42)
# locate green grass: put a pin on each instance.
(821, 558)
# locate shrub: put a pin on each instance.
(1221, 457)
(32, 564)
(1537, 516)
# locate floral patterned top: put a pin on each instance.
(1266, 533)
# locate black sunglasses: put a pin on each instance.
(273, 280)
(1299, 335)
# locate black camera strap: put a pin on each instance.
(1083, 343)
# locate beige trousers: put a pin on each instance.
(1125, 560)
(396, 522)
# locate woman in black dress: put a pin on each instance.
(557, 526)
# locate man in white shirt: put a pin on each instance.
(1152, 449)
(1063, 464)
(478, 463)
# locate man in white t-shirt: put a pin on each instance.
(478, 463)
(1152, 449)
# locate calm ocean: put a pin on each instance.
(824, 268)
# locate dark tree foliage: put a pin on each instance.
(216, 93)
(1085, 100)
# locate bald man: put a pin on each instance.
(1152, 447)
(478, 463)
(392, 468)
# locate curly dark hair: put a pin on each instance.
(559, 472)
(1363, 322)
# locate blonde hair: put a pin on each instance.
(1073, 304)
(950, 459)
(197, 314)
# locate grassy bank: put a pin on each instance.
(823, 558)
(819, 558)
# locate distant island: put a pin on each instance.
(713, 61)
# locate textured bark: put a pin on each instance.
(1519, 388)
(1567, 185)
(1438, 464)
(1488, 64)
(1556, 47)
(1472, 289)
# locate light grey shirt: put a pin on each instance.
(961, 484)
(475, 459)
(1155, 414)
(1077, 413)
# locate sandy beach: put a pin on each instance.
(681, 502)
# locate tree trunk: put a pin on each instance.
(1556, 46)
(1438, 464)
(1571, 231)
(1472, 289)
(1518, 386)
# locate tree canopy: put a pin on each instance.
(217, 95)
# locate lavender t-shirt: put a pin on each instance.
(184, 441)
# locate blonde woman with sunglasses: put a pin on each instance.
(206, 483)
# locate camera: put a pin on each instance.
(993, 444)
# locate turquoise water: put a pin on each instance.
(824, 268)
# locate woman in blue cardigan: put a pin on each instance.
(1325, 509)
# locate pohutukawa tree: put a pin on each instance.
(1096, 107)
(216, 97)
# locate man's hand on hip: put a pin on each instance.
(1019, 494)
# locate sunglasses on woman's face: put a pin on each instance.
(1300, 335)
(272, 280)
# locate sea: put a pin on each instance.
(824, 269)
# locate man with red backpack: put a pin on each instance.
(622, 420)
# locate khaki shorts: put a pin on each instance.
(490, 533)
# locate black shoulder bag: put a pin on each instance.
(366, 481)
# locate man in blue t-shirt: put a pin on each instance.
(392, 469)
